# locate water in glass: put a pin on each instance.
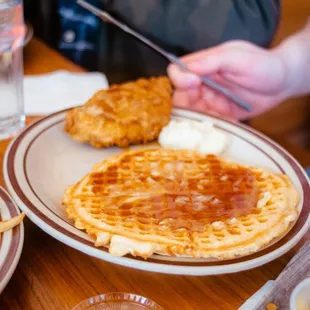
(12, 29)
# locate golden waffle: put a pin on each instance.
(180, 203)
(130, 113)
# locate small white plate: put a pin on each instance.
(300, 299)
(43, 160)
(11, 241)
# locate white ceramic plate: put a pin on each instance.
(28, 34)
(11, 241)
(43, 160)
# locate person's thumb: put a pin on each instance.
(182, 80)
(220, 60)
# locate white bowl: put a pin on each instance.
(300, 298)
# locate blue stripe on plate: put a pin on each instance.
(308, 171)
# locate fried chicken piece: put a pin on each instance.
(129, 113)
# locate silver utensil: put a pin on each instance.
(172, 58)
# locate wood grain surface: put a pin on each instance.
(297, 270)
(51, 275)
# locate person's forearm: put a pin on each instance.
(295, 52)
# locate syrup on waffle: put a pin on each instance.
(180, 203)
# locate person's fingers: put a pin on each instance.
(181, 79)
(212, 100)
(229, 45)
(240, 85)
(196, 56)
(226, 62)
(233, 56)
(205, 100)
(203, 107)
(221, 105)
(219, 102)
(181, 99)
(188, 97)
(260, 102)
(266, 76)
(202, 99)
(194, 94)
(208, 101)
(184, 80)
(240, 45)
(232, 61)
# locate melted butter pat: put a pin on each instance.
(202, 137)
(121, 246)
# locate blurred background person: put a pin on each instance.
(180, 26)
(262, 77)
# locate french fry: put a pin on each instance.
(8, 224)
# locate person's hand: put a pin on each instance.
(254, 74)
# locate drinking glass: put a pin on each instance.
(118, 301)
(12, 29)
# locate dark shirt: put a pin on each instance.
(180, 26)
(79, 33)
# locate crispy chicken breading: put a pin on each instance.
(129, 113)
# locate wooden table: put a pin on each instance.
(51, 275)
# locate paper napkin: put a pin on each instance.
(59, 90)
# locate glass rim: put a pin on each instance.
(119, 297)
